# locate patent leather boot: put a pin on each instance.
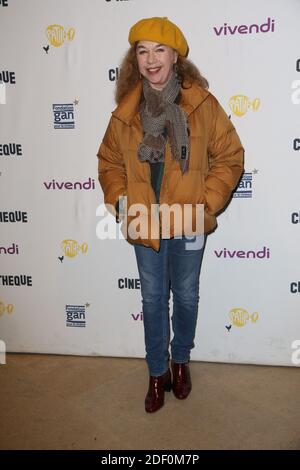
(156, 393)
(182, 384)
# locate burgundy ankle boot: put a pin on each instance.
(182, 384)
(156, 393)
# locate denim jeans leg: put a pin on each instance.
(185, 258)
(155, 289)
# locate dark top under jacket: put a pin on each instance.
(157, 171)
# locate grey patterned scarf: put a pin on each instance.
(159, 113)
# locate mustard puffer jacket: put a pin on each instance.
(216, 162)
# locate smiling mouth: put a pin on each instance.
(153, 69)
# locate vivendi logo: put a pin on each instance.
(231, 30)
(264, 253)
(13, 249)
(61, 185)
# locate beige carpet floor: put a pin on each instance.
(72, 402)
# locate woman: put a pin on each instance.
(168, 144)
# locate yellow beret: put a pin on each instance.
(159, 30)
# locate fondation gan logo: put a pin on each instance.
(76, 315)
(244, 189)
(63, 116)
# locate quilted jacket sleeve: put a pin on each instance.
(226, 160)
(111, 168)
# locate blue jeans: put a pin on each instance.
(177, 266)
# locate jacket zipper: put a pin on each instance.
(157, 203)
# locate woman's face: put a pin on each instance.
(155, 62)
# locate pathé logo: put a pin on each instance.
(57, 35)
(240, 104)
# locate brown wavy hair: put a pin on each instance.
(129, 74)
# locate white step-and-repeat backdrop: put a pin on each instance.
(65, 291)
